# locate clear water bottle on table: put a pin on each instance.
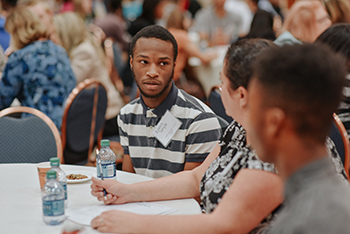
(61, 175)
(106, 161)
(53, 199)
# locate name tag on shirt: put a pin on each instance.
(166, 128)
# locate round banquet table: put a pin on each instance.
(21, 207)
(209, 75)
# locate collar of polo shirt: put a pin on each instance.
(168, 102)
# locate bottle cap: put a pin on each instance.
(51, 174)
(55, 161)
(104, 143)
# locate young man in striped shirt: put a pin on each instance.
(166, 130)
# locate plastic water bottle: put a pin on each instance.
(53, 199)
(107, 159)
(62, 177)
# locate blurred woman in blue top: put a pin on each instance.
(38, 72)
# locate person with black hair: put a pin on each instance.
(153, 53)
(262, 23)
(337, 37)
(152, 10)
(292, 97)
(238, 191)
(113, 23)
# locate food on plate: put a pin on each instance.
(76, 177)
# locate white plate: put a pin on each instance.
(78, 181)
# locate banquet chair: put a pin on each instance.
(32, 139)
(83, 121)
(340, 138)
(216, 105)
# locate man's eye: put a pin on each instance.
(143, 61)
(163, 63)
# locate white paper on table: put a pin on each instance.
(85, 215)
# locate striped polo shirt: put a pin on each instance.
(192, 142)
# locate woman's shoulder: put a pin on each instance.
(86, 46)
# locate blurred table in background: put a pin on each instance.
(209, 76)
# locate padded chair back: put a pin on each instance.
(32, 139)
(340, 138)
(216, 105)
(83, 121)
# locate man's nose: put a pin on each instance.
(152, 71)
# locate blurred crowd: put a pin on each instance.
(82, 26)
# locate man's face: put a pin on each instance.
(153, 65)
(257, 128)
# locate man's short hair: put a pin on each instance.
(154, 31)
(306, 82)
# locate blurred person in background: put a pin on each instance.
(84, 9)
(216, 26)
(66, 5)
(178, 24)
(113, 24)
(305, 21)
(337, 37)
(262, 23)
(152, 11)
(43, 10)
(3, 60)
(114, 27)
(38, 72)
(338, 10)
(6, 6)
(88, 61)
(241, 8)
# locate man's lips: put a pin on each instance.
(151, 84)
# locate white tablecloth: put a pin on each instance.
(209, 76)
(20, 199)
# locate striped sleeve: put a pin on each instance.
(202, 136)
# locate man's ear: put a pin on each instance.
(130, 61)
(275, 122)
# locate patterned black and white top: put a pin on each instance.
(235, 155)
(344, 106)
(217, 179)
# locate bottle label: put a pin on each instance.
(108, 170)
(64, 185)
(53, 208)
